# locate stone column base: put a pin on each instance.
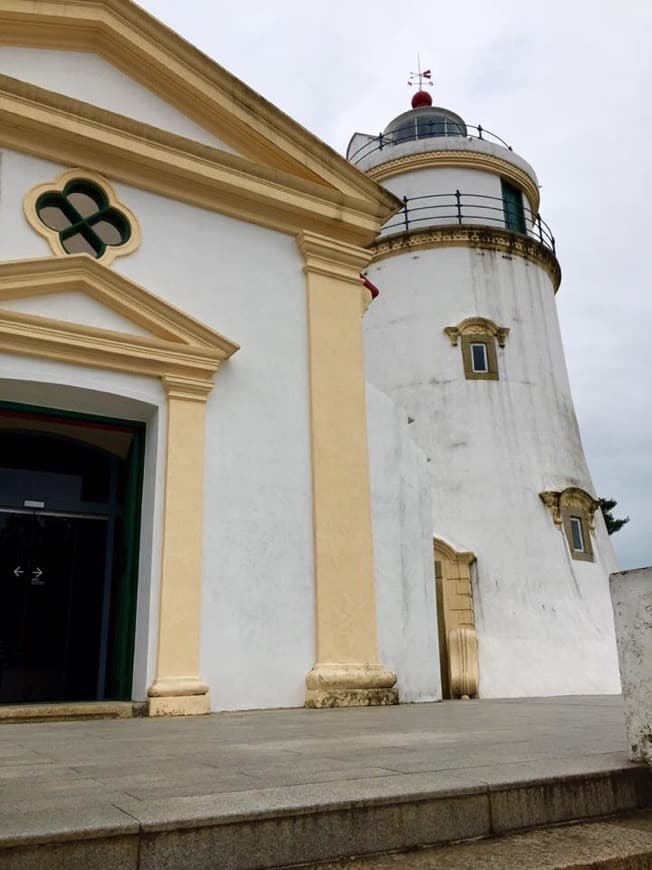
(320, 698)
(178, 696)
(350, 685)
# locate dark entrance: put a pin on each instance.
(70, 490)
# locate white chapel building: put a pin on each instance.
(277, 427)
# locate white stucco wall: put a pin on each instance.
(402, 526)
(246, 282)
(91, 79)
(544, 620)
(631, 595)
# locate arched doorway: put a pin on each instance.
(70, 493)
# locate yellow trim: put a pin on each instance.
(471, 236)
(53, 238)
(185, 354)
(152, 54)
(477, 326)
(461, 160)
(178, 688)
(63, 130)
(573, 501)
(347, 669)
(478, 329)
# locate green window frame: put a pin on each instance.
(83, 217)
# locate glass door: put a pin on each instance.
(52, 577)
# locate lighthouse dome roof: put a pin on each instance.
(424, 122)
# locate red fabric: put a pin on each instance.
(375, 292)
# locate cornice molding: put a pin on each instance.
(187, 389)
(477, 326)
(151, 53)
(66, 131)
(474, 236)
(461, 160)
(190, 351)
(335, 259)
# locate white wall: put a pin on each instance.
(631, 594)
(91, 79)
(402, 527)
(246, 282)
(544, 621)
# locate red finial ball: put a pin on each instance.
(420, 99)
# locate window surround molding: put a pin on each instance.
(474, 330)
(53, 237)
(568, 503)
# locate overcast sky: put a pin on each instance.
(567, 84)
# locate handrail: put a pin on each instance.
(424, 129)
(468, 208)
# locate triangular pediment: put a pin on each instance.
(160, 60)
(92, 79)
(75, 306)
(116, 322)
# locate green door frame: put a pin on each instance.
(513, 207)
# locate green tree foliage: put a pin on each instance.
(613, 525)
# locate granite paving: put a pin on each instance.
(118, 778)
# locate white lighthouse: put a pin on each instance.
(465, 338)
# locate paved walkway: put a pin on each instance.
(119, 781)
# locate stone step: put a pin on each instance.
(613, 844)
(11, 714)
(283, 827)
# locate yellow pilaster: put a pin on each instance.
(178, 689)
(347, 671)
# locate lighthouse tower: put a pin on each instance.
(465, 338)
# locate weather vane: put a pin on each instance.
(420, 76)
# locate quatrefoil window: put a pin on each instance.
(83, 218)
(79, 214)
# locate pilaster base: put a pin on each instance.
(321, 698)
(178, 696)
(179, 705)
(350, 685)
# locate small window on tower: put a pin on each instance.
(573, 510)
(479, 357)
(576, 534)
(479, 338)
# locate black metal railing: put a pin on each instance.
(424, 129)
(441, 209)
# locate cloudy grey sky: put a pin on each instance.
(567, 84)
